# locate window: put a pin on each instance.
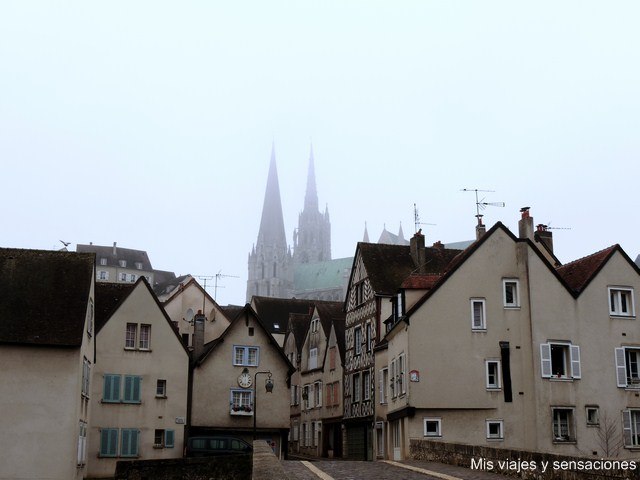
(357, 387)
(313, 358)
(359, 293)
(328, 397)
(122, 263)
(495, 430)
(432, 427)
(510, 292)
(492, 368)
(102, 275)
(294, 395)
(593, 416)
(560, 360)
(366, 381)
(241, 402)
(478, 314)
(145, 337)
(103, 261)
(628, 367)
(130, 339)
(383, 381)
(82, 444)
(91, 316)
(132, 277)
(631, 428)
(336, 393)
(399, 305)
(139, 265)
(108, 442)
(357, 340)
(163, 438)
(86, 376)
(621, 302)
(129, 442)
(400, 380)
(314, 325)
(332, 358)
(131, 389)
(161, 389)
(563, 429)
(111, 389)
(317, 395)
(369, 340)
(123, 277)
(392, 379)
(246, 356)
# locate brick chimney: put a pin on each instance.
(418, 253)
(480, 228)
(544, 236)
(525, 225)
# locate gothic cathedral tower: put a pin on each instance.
(312, 238)
(270, 260)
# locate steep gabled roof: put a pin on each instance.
(246, 310)
(231, 311)
(389, 265)
(579, 273)
(417, 281)
(329, 313)
(44, 296)
(275, 311)
(298, 327)
(167, 288)
(108, 297)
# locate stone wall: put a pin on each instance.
(266, 465)
(523, 464)
(236, 467)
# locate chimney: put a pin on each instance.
(480, 228)
(198, 334)
(418, 253)
(544, 236)
(438, 245)
(114, 249)
(525, 225)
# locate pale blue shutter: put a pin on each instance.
(108, 442)
(169, 438)
(111, 390)
(129, 442)
(132, 389)
(626, 428)
(545, 360)
(576, 372)
(621, 367)
(136, 389)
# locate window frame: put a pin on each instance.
(571, 360)
(313, 354)
(624, 371)
(483, 313)
(382, 382)
(500, 424)
(498, 374)
(435, 420)
(571, 425)
(144, 341)
(317, 394)
(615, 310)
(357, 340)
(245, 355)
(130, 343)
(587, 410)
(516, 292)
(357, 388)
(631, 428)
(366, 385)
(161, 388)
(242, 404)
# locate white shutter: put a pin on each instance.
(621, 367)
(574, 351)
(381, 385)
(545, 360)
(626, 428)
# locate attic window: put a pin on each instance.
(276, 326)
(251, 331)
(139, 265)
(103, 261)
(122, 263)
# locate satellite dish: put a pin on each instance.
(189, 317)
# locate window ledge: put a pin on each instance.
(241, 414)
(622, 317)
(494, 389)
(479, 330)
(495, 439)
(561, 379)
(512, 307)
(432, 436)
(564, 442)
(161, 397)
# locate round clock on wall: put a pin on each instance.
(245, 380)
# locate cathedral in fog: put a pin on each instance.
(307, 271)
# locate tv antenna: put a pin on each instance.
(548, 226)
(480, 203)
(416, 219)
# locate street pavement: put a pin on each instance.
(380, 470)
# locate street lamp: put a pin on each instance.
(268, 386)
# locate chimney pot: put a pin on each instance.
(114, 248)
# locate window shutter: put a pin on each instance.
(626, 427)
(545, 360)
(169, 438)
(576, 372)
(381, 386)
(621, 367)
(136, 389)
(111, 390)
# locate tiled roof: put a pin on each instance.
(578, 274)
(419, 282)
(112, 258)
(108, 297)
(275, 311)
(329, 313)
(389, 265)
(164, 289)
(44, 296)
(231, 311)
(298, 325)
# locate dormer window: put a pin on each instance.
(122, 263)
(103, 261)
(139, 265)
(399, 305)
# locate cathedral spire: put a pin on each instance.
(272, 223)
(311, 196)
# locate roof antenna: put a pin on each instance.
(480, 203)
(416, 219)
